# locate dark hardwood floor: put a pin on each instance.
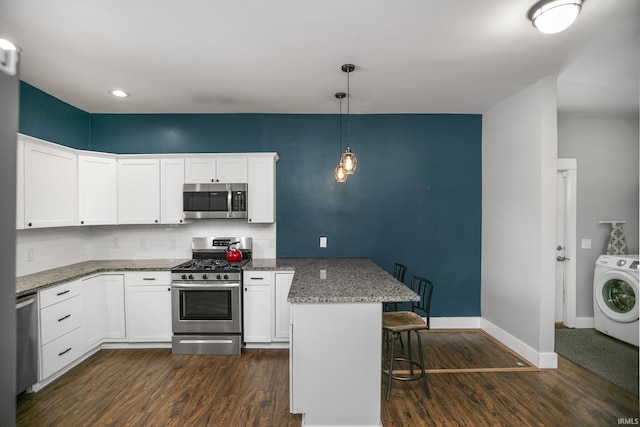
(474, 381)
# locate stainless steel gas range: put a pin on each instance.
(206, 302)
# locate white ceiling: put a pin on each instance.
(284, 56)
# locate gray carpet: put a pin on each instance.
(613, 360)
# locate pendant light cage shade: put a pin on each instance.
(349, 161)
(553, 16)
(339, 173)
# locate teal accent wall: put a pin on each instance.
(46, 117)
(415, 199)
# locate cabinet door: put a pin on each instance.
(20, 186)
(200, 170)
(257, 313)
(138, 191)
(103, 309)
(261, 206)
(232, 170)
(50, 184)
(171, 183)
(282, 306)
(115, 325)
(97, 190)
(149, 313)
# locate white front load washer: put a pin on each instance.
(616, 296)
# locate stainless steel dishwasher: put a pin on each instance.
(27, 342)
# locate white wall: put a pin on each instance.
(519, 151)
(606, 149)
(43, 249)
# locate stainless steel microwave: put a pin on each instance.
(201, 201)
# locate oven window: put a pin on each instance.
(205, 305)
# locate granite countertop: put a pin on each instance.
(31, 283)
(281, 264)
(328, 280)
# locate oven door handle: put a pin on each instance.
(205, 286)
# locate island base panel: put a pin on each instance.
(335, 357)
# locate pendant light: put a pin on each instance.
(348, 158)
(553, 16)
(339, 173)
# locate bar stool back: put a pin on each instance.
(396, 322)
(399, 272)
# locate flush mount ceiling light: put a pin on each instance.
(9, 57)
(119, 93)
(339, 173)
(553, 16)
(348, 159)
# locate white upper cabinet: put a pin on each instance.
(97, 190)
(50, 186)
(205, 170)
(171, 182)
(261, 204)
(20, 186)
(138, 191)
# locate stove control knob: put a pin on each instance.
(226, 276)
(218, 277)
(204, 277)
(184, 277)
(191, 277)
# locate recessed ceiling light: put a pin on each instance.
(119, 93)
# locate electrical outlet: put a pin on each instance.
(323, 274)
(323, 242)
(115, 243)
(143, 244)
(29, 254)
(173, 243)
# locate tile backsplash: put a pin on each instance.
(42, 249)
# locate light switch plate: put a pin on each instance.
(323, 242)
(586, 244)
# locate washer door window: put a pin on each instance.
(617, 296)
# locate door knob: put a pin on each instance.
(561, 258)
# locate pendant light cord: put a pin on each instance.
(348, 112)
(340, 117)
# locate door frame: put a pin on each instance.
(570, 166)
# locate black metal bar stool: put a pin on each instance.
(399, 272)
(397, 322)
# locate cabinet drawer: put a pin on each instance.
(59, 353)
(138, 278)
(59, 319)
(59, 293)
(257, 278)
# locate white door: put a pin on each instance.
(138, 191)
(172, 181)
(50, 186)
(565, 294)
(97, 190)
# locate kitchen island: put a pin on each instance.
(336, 329)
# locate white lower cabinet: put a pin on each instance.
(103, 317)
(149, 306)
(60, 327)
(60, 352)
(258, 302)
(282, 306)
